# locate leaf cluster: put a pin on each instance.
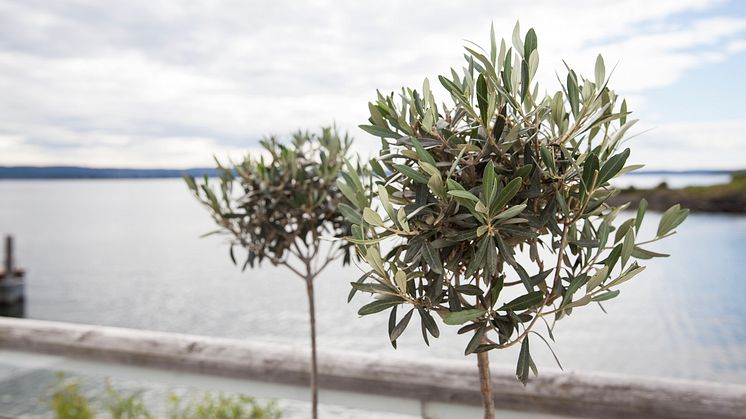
(491, 212)
(282, 202)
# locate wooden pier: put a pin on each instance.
(11, 278)
(434, 384)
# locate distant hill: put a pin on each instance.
(727, 197)
(684, 172)
(72, 172)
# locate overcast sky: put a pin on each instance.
(166, 84)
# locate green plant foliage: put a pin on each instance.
(491, 212)
(125, 406)
(283, 202)
(222, 407)
(69, 402)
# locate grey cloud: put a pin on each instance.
(231, 71)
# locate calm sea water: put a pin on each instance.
(644, 180)
(128, 253)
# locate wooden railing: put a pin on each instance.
(430, 381)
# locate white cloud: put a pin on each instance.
(685, 145)
(736, 46)
(114, 83)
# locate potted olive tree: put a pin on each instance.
(491, 213)
(279, 207)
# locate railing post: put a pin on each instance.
(423, 409)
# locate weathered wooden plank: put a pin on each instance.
(571, 394)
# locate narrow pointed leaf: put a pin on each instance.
(401, 326)
(461, 317)
(524, 301)
(524, 361)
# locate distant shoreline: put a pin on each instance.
(79, 172)
(724, 198)
(73, 172)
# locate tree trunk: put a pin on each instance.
(485, 384)
(314, 373)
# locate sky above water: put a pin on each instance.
(168, 84)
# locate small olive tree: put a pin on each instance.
(491, 213)
(278, 207)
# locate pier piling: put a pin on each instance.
(9, 254)
(11, 278)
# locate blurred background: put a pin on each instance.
(167, 85)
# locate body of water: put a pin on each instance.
(128, 253)
(673, 180)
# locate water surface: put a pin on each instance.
(128, 253)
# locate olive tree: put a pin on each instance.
(280, 207)
(491, 213)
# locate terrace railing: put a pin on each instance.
(433, 384)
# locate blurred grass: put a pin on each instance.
(69, 401)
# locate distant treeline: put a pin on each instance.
(70, 172)
(73, 172)
(726, 197)
(685, 172)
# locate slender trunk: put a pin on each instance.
(485, 384)
(314, 373)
